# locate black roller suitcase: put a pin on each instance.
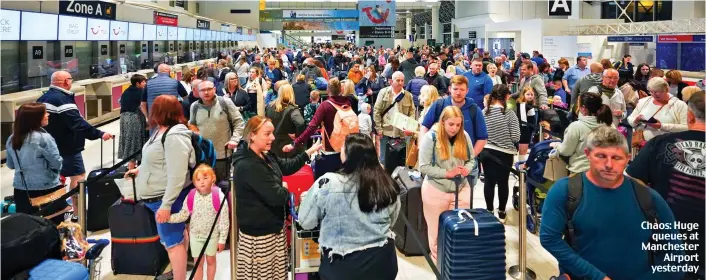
(102, 194)
(136, 247)
(411, 206)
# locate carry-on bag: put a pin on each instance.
(471, 243)
(27, 240)
(395, 154)
(411, 206)
(102, 194)
(58, 270)
(136, 248)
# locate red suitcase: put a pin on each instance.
(300, 182)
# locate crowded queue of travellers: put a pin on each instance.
(261, 119)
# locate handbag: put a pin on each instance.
(638, 136)
(412, 153)
(555, 167)
(40, 200)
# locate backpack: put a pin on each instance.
(215, 198)
(642, 194)
(345, 122)
(204, 150)
(321, 83)
(222, 102)
(439, 107)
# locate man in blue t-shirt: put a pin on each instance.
(573, 74)
(479, 83)
(473, 120)
(610, 227)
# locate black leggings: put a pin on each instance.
(496, 174)
(373, 263)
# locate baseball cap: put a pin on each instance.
(525, 55)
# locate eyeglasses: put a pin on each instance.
(207, 89)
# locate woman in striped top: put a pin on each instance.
(497, 157)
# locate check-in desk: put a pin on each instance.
(10, 103)
(99, 95)
(118, 85)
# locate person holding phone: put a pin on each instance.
(660, 113)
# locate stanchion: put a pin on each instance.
(293, 249)
(233, 232)
(521, 271)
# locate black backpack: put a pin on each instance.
(27, 241)
(642, 194)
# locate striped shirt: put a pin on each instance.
(503, 129)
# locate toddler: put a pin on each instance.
(202, 204)
(364, 120)
(558, 103)
(310, 109)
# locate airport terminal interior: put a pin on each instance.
(102, 44)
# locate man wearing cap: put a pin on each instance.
(522, 57)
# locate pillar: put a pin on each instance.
(575, 10)
(435, 23)
(408, 28)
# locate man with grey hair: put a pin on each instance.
(217, 119)
(392, 100)
(611, 94)
(597, 223)
(673, 165)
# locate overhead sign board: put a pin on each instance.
(637, 39)
(90, 9)
(150, 32)
(72, 28)
(376, 32)
(98, 30)
(203, 24)
(377, 13)
(319, 13)
(9, 25)
(135, 32)
(118, 31)
(225, 27)
(161, 32)
(172, 33)
(559, 7)
(680, 38)
(39, 27)
(472, 35)
(181, 34)
(161, 18)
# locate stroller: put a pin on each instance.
(534, 167)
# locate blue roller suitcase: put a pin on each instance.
(51, 269)
(471, 244)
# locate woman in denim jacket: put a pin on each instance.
(356, 208)
(34, 156)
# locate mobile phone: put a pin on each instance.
(652, 120)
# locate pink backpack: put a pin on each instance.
(345, 122)
(215, 191)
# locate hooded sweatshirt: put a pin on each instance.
(574, 140)
(261, 199)
(164, 170)
(583, 84)
(431, 164)
(474, 126)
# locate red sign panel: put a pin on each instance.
(675, 38)
(165, 19)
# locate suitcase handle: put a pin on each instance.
(461, 219)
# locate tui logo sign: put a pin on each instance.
(376, 15)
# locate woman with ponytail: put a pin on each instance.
(593, 113)
(497, 157)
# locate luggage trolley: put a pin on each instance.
(304, 252)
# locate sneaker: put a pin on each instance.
(481, 176)
(69, 216)
(502, 215)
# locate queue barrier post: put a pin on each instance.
(81, 211)
(521, 271)
(233, 232)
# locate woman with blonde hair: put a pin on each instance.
(288, 120)
(444, 156)
(349, 92)
(676, 85)
(261, 201)
(427, 96)
(492, 70)
(660, 113)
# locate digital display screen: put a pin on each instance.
(39, 27)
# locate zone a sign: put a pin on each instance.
(92, 9)
(559, 7)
